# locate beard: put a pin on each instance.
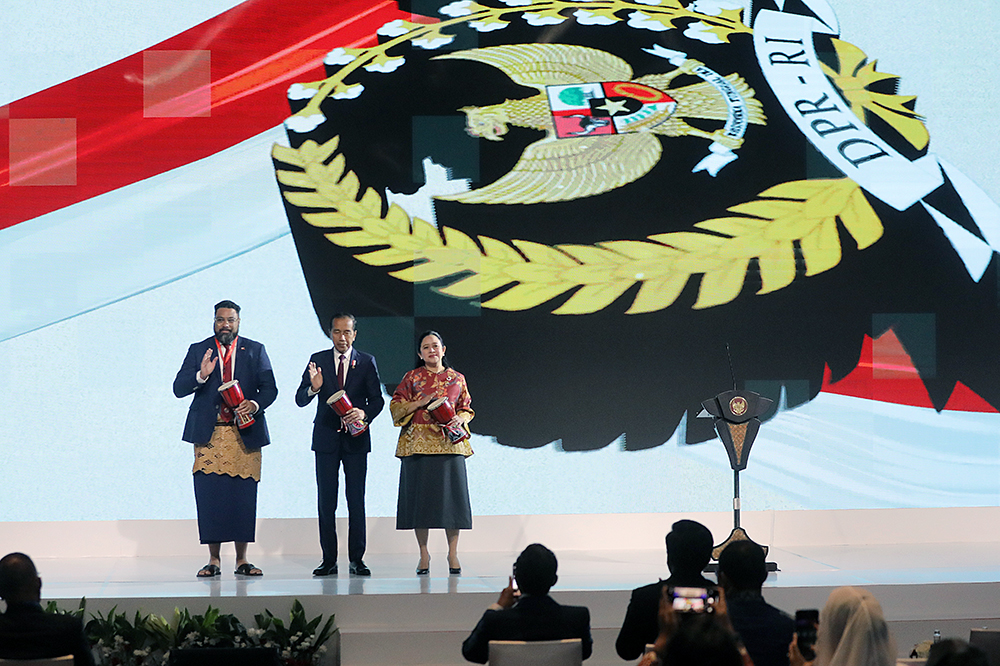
(226, 337)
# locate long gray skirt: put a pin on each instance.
(433, 493)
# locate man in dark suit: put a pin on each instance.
(227, 456)
(765, 630)
(689, 548)
(331, 370)
(529, 614)
(27, 631)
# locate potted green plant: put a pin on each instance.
(144, 640)
(302, 642)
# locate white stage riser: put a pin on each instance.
(298, 536)
(424, 629)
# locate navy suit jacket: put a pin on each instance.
(363, 387)
(253, 370)
(532, 618)
(28, 632)
(766, 631)
(642, 619)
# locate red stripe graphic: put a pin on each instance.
(188, 97)
(886, 373)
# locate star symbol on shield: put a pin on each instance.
(613, 107)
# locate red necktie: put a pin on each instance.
(341, 372)
(225, 411)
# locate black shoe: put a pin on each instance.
(359, 569)
(455, 571)
(325, 570)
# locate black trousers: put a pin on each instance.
(328, 487)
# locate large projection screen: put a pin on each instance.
(882, 362)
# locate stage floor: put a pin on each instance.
(931, 569)
(485, 572)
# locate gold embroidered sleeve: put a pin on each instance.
(399, 415)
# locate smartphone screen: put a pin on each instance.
(805, 630)
(693, 599)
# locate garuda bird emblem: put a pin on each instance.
(599, 122)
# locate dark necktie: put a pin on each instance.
(341, 372)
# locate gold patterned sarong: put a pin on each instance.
(226, 454)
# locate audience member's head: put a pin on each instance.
(19, 581)
(956, 652)
(701, 640)
(689, 547)
(853, 631)
(535, 569)
(742, 567)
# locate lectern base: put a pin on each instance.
(738, 534)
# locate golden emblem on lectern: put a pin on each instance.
(738, 406)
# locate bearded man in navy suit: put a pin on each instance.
(331, 370)
(227, 457)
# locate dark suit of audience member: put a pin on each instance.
(534, 616)
(689, 548)
(765, 630)
(27, 631)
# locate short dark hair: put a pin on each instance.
(18, 577)
(535, 569)
(742, 563)
(702, 639)
(956, 652)
(344, 315)
(227, 304)
(689, 547)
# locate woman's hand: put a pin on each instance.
(795, 657)
(667, 619)
(422, 401)
(649, 659)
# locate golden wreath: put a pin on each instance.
(767, 229)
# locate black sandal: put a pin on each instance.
(247, 569)
(209, 571)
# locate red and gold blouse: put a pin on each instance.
(421, 433)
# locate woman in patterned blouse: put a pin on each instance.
(433, 487)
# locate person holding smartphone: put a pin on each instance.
(695, 633)
(689, 549)
(852, 632)
(526, 612)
